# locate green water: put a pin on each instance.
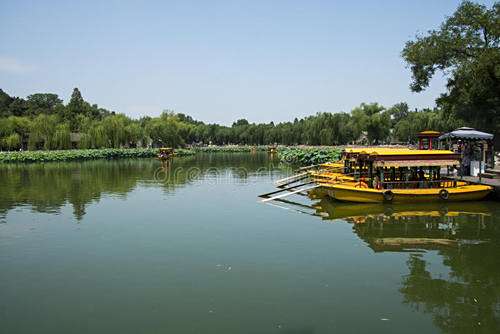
(126, 247)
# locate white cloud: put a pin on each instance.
(11, 65)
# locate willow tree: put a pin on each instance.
(94, 136)
(62, 138)
(164, 131)
(20, 126)
(11, 142)
(42, 131)
(136, 135)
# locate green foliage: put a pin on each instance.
(14, 125)
(378, 127)
(398, 112)
(48, 124)
(17, 107)
(134, 134)
(70, 155)
(414, 122)
(164, 131)
(5, 101)
(41, 132)
(306, 156)
(62, 137)
(12, 142)
(466, 48)
(114, 130)
(43, 104)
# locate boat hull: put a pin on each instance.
(348, 193)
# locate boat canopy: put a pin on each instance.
(402, 157)
(416, 163)
(354, 153)
(467, 133)
(395, 152)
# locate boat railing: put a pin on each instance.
(419, 184)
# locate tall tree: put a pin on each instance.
(18, 107)
(76, 106)
(467, 49)
(43, 103)
(398, 112)
(5, 101)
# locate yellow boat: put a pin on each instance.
(338, 171)
(376, 175)
(352, 193)
(165, 153)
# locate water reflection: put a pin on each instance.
(439, 260)
(48, 187)
(466, 238)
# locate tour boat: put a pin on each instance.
(165, 153)
(376, 175)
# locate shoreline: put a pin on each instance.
(302, 155)
(81, 155)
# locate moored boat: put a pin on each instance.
(351, 193)
(397, 176)
(165, 153)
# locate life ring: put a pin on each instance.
(444, 194)
(361, 185)
(388, 196)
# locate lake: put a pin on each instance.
(126, 246)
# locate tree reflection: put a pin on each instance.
(48, 187)
(467, 238)
(467, 302)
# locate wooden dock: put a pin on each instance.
(494, 182)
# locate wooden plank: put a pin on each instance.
(293, 177)
(285, 189)
(309, 167)
(300, 185)
(289, 193)
(293, 181)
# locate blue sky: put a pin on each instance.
(217, 61)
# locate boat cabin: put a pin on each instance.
(380, 168)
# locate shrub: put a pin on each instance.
(306, 156)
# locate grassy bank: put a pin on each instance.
(305, 156)
(74, 155)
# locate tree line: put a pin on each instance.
(42, 121)
(466, 48)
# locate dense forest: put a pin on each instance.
(42, 121)
(466, 48)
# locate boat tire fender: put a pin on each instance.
(388, 196)
(444, 194)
